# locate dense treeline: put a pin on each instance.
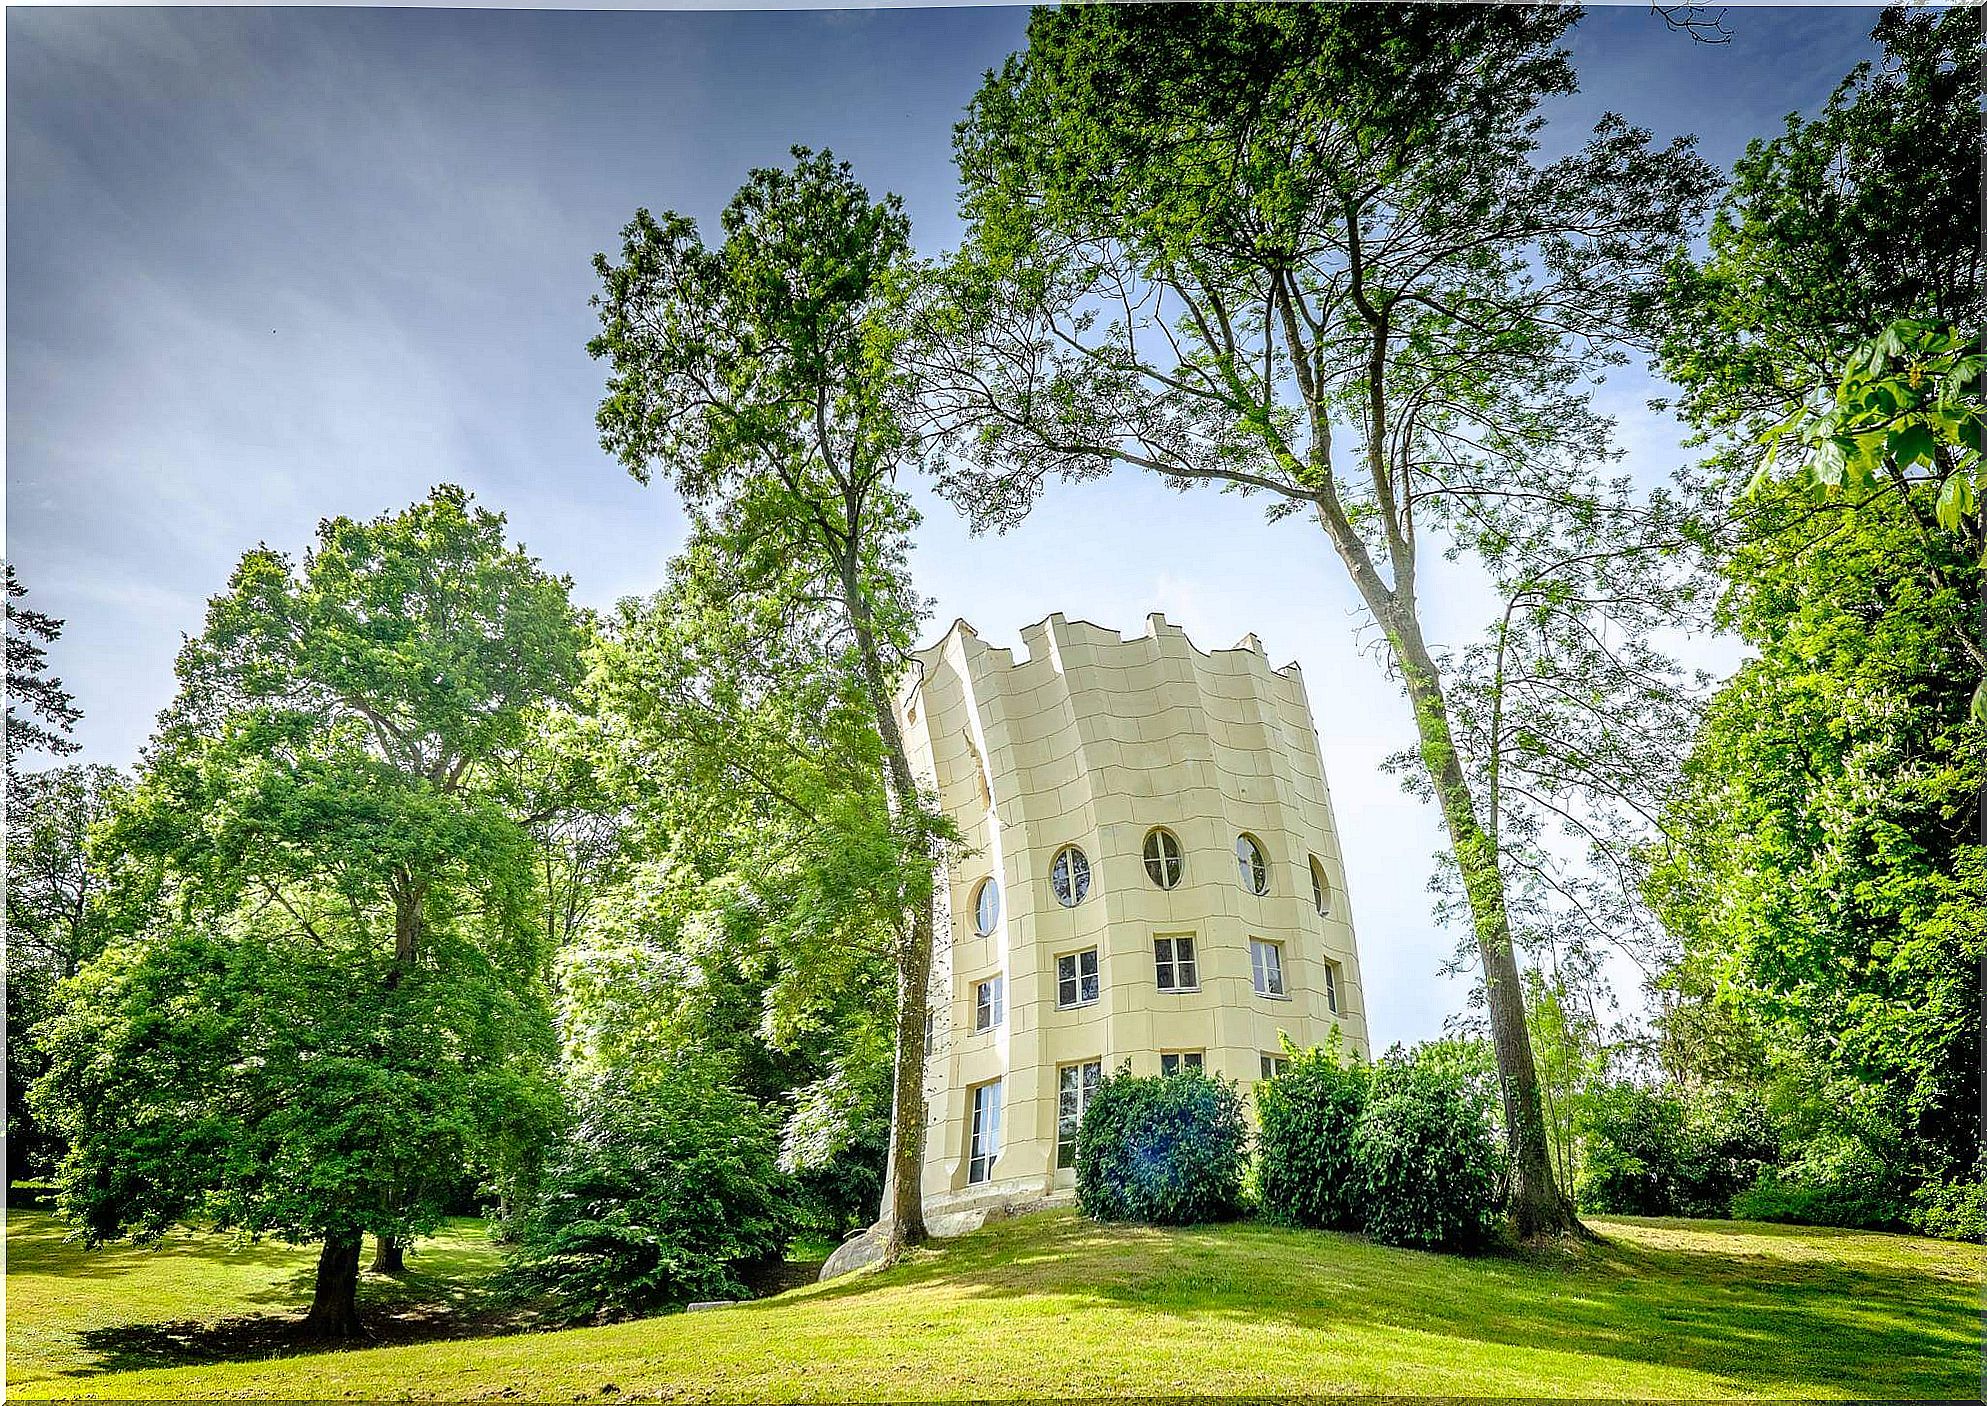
(434, 892)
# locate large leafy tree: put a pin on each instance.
(1826, 893)
(345, 1007)
(760, 377)
(49, 710)
(1312, 253)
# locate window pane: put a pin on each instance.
(1069, 876)
(1195, 1060)
(1066, 981)
(1087, 961)
(986, 910)
(1186, 968)
(1169, 1064)
(1162, 956)
(1331, 988)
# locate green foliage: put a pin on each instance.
(1428, 1163)
(1857, 1198)
(1305, 1168)
(343, 1005)
(49, 710)
(1653, 1152)
(1953, 1210)
(666, 1190)
(1166, 1149)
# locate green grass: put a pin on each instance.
(1053, 1306)
(73, 1312)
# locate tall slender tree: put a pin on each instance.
(761, 377)
(1312, 252)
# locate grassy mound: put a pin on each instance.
(1054, 1306)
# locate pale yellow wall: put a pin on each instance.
(1092, 740)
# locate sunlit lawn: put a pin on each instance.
(76, 1311)
(1051, 1306)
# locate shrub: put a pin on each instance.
(1952, 1210)
(1167, 1149)
(1632, 1141)
(666, 1191)
(1788, 1197)
(1427, 1160)
(1305, 1168)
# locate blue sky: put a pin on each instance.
(269, 265)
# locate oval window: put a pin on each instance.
(1250, 862)
(986, 906)
(1321, 888)
(1162, 858)
(1069, 876)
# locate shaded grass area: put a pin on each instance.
(74, 1312)
(1053, 1306)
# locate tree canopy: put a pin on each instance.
(343, 1003)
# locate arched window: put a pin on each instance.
(1162, 858)
(1069, 876)
(986, 906)
(1254, 868)
(1321, 888)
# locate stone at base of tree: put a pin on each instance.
(864, 1248)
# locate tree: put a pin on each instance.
(1310, 253)
(30, 685)
(1823, 891)
(60, 913)
(761, 378)
(345, 1005)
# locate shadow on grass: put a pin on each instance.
(38, 1243)
(1690, 1296)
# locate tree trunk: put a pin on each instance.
(1538, 1207)
(389, 1255)
(903, 1208)
(334, 1305)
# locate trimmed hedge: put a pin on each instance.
(1164, 1149)
(1306, 1171)
(1428, 1158)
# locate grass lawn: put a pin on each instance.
(1053, 1306)
(73, 1313)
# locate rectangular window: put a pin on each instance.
(1177, 969)
(1274, 1065)
(985, 1148)
(1076, 978)
(989, 1003)
(1179, 1061)
(1331, 987)
(1075, 1084)
(931, 1031)
(1266, 966)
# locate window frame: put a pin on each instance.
(1273, 1066)
(1160, 864)
(1167, 967)
(1261, 970)
(1331, 985)
(983, 1120)
(1079, 886)
(985, 923)
(1089, 1073)
(989, 1003)
(1253, 866)
(1076, 957)
(1321, 888)
(1181, 1065)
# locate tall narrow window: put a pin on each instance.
(931, 1031)
(1250, 862)
(1321, 888)
(1266, 966)
(1069, 876)
(985, 1146)
(989, 1003)
(1175, 958)
(986, 906)
(1075, 1084)
(1163, 864)
(1331, 987)
(1076, 978)
(1182, 1061)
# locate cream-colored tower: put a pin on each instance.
(1186, 782)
